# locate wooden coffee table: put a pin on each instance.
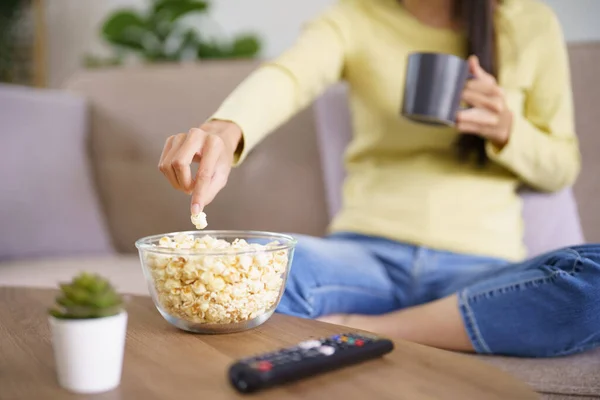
(162, 362)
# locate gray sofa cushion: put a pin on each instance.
(562, 229)
(48, 204)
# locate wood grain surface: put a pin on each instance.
(162, 362)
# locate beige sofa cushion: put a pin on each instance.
(577, 375)
(278, 188)
(124, 271)
(585, 59)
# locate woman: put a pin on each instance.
(429, 243)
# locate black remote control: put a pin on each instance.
(306, 359)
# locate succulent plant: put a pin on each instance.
(87, 296)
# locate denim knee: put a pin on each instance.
(549, 306)
(296, 299)
(584, 278)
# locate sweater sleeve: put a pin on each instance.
(543, 149)
(280, 88)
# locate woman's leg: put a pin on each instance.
(547, 306)
(336, 275)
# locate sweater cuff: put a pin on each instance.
(512, 155)
(247, 141)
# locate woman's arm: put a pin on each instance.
(542, 148)
(282, 87)
(262, 102)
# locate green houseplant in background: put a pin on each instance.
(10, 12)
(157, 34)
(88, 324)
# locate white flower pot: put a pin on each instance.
(88, 353)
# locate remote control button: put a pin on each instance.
(309, 344)
(264, 366)
(371, 337)
(312, 353)
(275, 360)
(350, 341)
(344, 339)
(359, 343)
(326, 350)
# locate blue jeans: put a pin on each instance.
(547, 306)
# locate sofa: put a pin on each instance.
(81, 182)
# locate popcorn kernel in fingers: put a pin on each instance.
(199, 220)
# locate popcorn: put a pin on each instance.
(217, 285)
(199, 220)
(217, 289)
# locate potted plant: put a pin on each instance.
(10, 12)
(157, 35)
(88, 326)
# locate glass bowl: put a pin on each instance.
(216, 281)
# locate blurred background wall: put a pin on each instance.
(73, 25)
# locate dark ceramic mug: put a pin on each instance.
(433, 88)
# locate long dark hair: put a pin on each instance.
(477, 16)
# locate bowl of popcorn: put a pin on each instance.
(216, 281)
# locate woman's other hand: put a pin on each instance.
(212, 146)
(489, 116)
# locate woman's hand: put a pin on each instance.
(489, 116)
(212, 146)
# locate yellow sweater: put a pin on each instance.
(404, 181)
